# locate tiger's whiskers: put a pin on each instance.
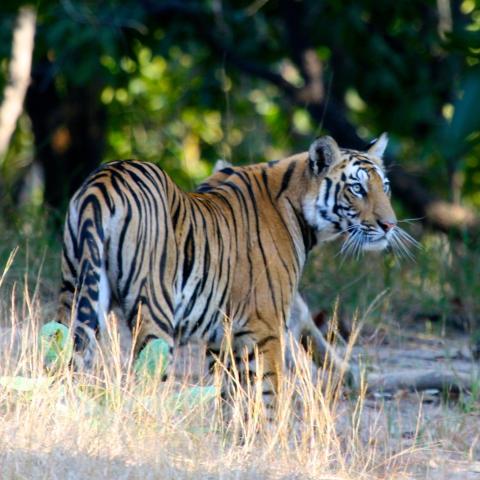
(353, 245)
(410, 221)
(401, 243)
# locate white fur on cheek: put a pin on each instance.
(325, 229)
(310, 210)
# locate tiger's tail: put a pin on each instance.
(85, 291)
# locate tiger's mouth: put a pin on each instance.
(360, 239)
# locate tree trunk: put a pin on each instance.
(18, 75)
(69, 133)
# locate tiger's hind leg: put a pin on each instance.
(91, 307)
(70, 272)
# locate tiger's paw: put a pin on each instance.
(56, 345)
(153, 359)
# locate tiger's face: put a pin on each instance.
(352, 197)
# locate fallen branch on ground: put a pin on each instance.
(419, 380)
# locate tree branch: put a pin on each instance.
(419, 380)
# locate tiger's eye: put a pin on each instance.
(357, 188)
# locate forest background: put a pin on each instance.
(184, 83)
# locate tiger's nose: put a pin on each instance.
(386, 226)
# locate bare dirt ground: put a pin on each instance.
(449, 422)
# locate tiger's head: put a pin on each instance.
(346, 194)
(351, 197)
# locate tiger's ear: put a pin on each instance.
(323, 154)
(220, 164)
(378, 146)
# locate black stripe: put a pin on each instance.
(92, 199)
(260, 246)
(106, 196)
(242, 333)
(266, 340)
(189, 257)
(308, 233)
(121, 241)
(286, 179)
(336, 206)
(329, 183)
(67, 287)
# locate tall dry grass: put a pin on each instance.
(111, 424)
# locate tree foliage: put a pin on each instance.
(183, 83)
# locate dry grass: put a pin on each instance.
(111, 425)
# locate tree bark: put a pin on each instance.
(18, 75)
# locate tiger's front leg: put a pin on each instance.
(260, 365)
(270, 351)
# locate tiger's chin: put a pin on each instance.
(375, 245)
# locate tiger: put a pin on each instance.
(185, 266)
